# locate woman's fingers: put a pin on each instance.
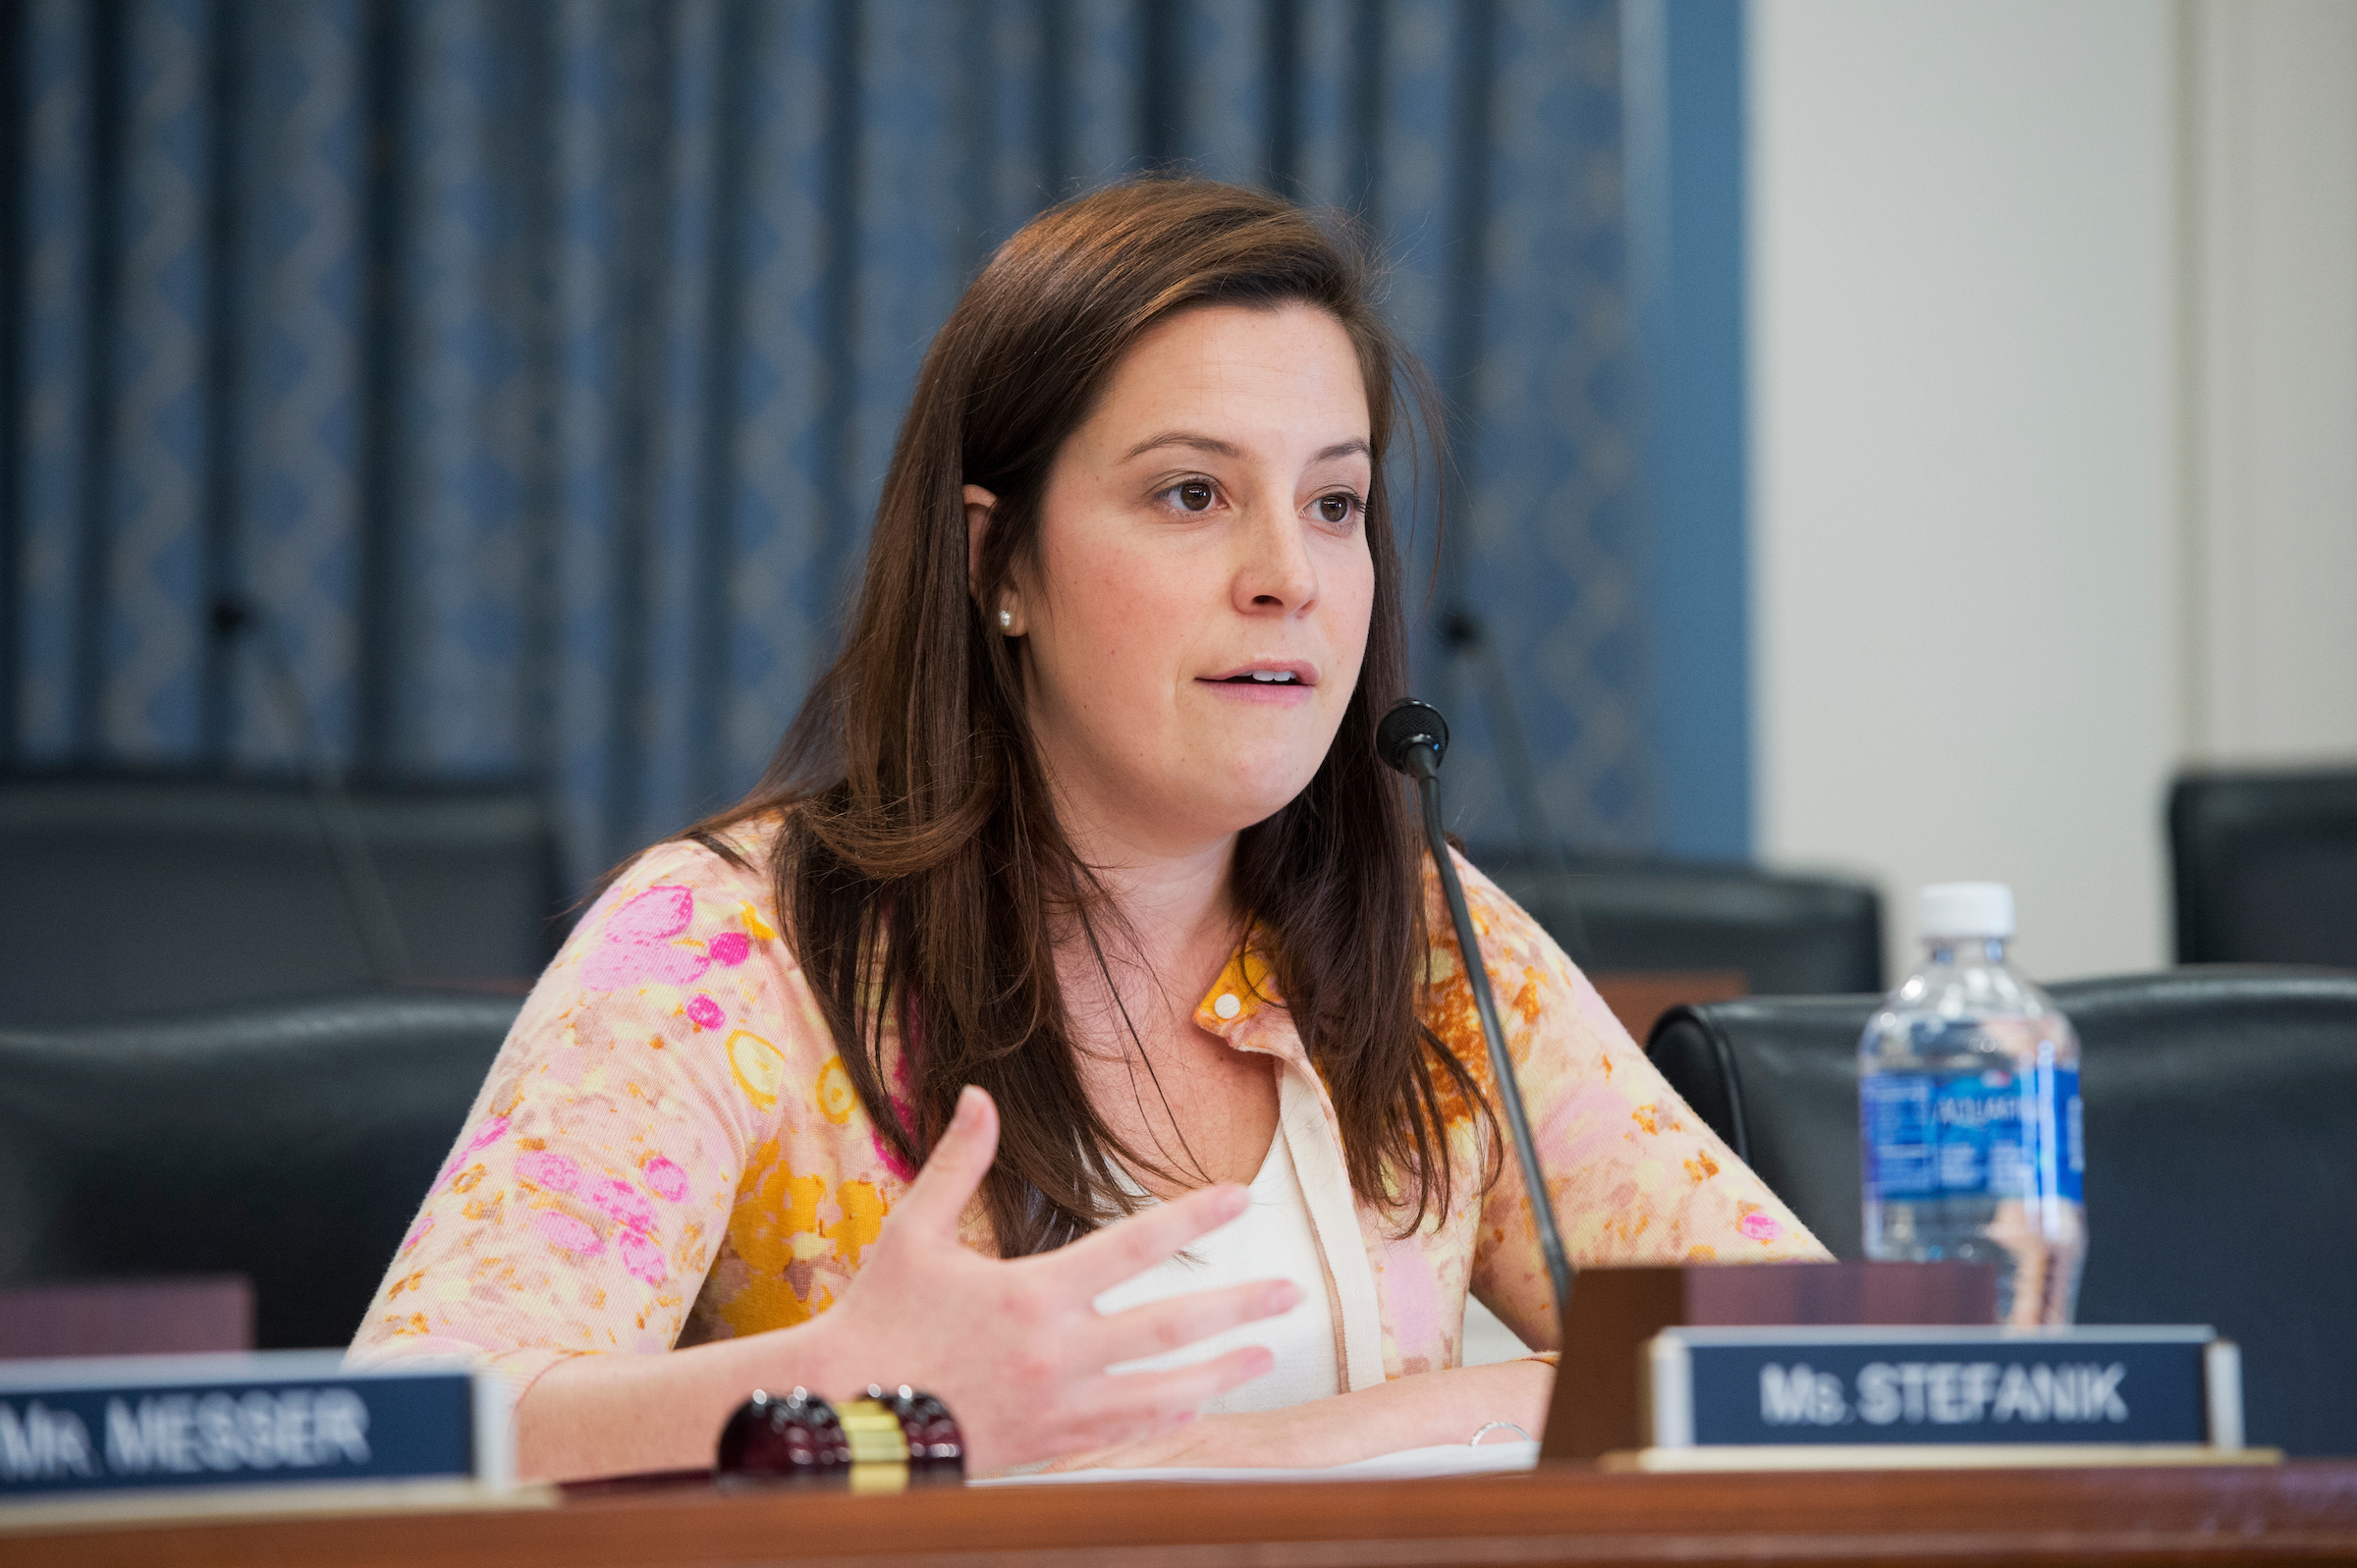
(1130, 1247)
(1160, 1326)
(1126, 1406)
(1018, 1346)
(955, 1169)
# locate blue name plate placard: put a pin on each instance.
(129, 1423)
(1846, 1387)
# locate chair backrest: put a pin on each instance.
(233, 888)
(289, 1144)
(1788, 935)
(2265, 867)
(2221, 1144)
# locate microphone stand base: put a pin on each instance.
(1598, 1403)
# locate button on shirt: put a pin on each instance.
(668, 1149)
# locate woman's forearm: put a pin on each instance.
(1416, 1412)
(618, 1413)
(1015, 1345)
(1435, 1407)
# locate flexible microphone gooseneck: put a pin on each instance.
(1411, 738)
(365, 899)
(1551, 904)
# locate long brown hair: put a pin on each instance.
(919, 864)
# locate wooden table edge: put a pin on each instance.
(2301, 1510)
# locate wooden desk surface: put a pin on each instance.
(1567, 1514)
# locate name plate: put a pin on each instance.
(125, 1424)
(1851, 1386)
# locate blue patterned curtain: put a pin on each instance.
(534, 367)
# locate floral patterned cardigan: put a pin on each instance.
(668, 1149)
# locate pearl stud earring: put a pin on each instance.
(1005, 620)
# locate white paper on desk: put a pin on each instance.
(1408, 1463)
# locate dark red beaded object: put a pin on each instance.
(888, 1442)
(772, 1439)
(936, 1447)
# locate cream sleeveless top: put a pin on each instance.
(1272, 1239)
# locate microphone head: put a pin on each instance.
(1410, 723)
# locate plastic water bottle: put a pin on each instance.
(1968, 1110)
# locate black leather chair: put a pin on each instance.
(161, 894)
(1788, 935)
(2265, 867)
(289, 1144)
(2221, 1149)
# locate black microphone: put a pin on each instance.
(1411, 738)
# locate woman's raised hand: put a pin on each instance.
(1018, 1347)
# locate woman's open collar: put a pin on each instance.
(1245, 991)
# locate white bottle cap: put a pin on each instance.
(1968, 909)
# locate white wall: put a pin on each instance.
(2271, 523)
(1965, 503)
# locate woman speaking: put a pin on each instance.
(1069, 1023)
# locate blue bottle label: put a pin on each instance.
(1990, 1134)
(2069, 1139)
(1901, 1152)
